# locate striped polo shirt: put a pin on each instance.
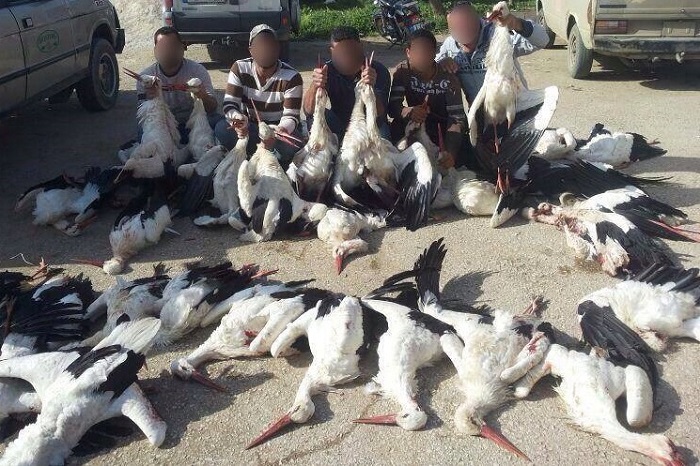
(278, 101)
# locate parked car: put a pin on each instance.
(628, 29)
(48, 48)
(224, 25)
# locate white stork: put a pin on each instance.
(201, 136)
(268, 198)
(312, 167)
(615, 148)
(334, 328)
(79, 389)
(340, 229)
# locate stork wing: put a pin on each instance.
(517, 146)
(419, 183)
(683, 280)
(198, 190)
(40, 370)
(602, 329)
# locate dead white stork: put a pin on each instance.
(372, 174)
(615, 148)
(138, 226)
(79, 389)
(504, 84)
(340, 228)
(201, 136)
(589, 386)
(268, 198)
(200, 180)
(334, 328)
(659, 302)
(250, 327)
(225, 187)
(312, 167)
(555, 144)
(603, 237)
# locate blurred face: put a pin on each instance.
(265, 50)
(169, 51)
(421, 55)
(464, 25)
(348, 56)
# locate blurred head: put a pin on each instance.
(169, 49)
(264, 46)
(347, 53)
(421, 50)
(464, 23)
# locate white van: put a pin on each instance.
(224, 25)
(629, 29)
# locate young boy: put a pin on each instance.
(417, 78)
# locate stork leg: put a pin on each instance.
(495, 139)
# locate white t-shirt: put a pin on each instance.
(180, 102)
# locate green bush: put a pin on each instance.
(319, 19)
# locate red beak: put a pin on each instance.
(497, 438)
(383, 419)
(207, 382)
(493, 15)
(93, 262)
(338, 264)
(268, 433)
(264, 273)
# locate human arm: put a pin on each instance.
(233, 99)
(291, 105)
(206, 91)
(319, 78)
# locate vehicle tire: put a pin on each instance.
(543, 22)
(226, 54)
(285, 52)
(99, 90)
(580, 57)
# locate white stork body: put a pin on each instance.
(556, 144)
(335, 333)
(267, 197)
(78, 392)
(658, 309)
(226, 189)
(312, 167)
(471, 195)
(604, 237)
(53, 206)
(136, 232)
(615, 148)
(502, 81)
(411, 342)
(589, 387)
(201, 136)
(340, 229)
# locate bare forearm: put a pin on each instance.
(309, 100)
(210, 103)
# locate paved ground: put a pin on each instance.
(504, 267)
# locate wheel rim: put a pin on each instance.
(572, 49)
(106, 75)
(540, 18)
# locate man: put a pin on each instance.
(464, 51)
(171, 67)
(433, 96)
(272, 87)
(338, 77)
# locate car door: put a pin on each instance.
(47, 36)
(13, 76)
(555, 13)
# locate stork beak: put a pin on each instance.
(339, 264)
(93, 262)
(265, 273)
(271, 430)
(119, 175)
(207, 382)
(493, 15)
(497, 438)
(383, 419)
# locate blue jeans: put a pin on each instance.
(282, 150)
(338, 127)
(213, 118)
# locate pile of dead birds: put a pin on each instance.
(366, 183)
(69, 361)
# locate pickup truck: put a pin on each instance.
(224, 25)
(48, 48)
(627, 29)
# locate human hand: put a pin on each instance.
(419, 113)
(319, 77)
(238, 122)
(448, 65)
(369, 75)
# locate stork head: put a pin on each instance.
(301, 411)
(500, 10)
(567, 199)
(412, 418)
(183, 369)
(314, 211)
